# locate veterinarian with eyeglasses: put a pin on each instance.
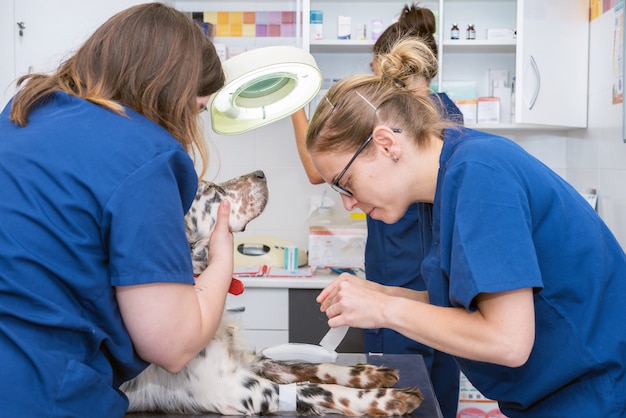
(391, 250)
(525, 282)
(96, 277)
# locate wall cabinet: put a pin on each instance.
(549, 58)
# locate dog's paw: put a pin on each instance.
(409, 399)
(367, 376)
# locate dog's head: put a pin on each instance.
(247, 195)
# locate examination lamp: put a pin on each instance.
(262, 86)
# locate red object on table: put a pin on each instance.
(236, 287)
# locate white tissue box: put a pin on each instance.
(499, 33)
(337, 246)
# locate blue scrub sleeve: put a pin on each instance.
(486, 240)
(144, 222)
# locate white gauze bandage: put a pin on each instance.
(287, 397)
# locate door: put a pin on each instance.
(552, 62)
(50, 32)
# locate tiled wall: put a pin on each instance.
(252, 24)
(596, 156)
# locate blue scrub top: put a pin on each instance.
(89, 200)
(502, 221)
(393, 255)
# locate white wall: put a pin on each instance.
(272, 149)
(596, 157)
(8, 30)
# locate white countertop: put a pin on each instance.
(318, 281)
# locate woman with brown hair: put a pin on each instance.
(95, 179)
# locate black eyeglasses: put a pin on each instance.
(335, 184)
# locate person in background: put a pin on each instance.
(525, 282)
(391, 249)
(95, 180)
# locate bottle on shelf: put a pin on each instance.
(513, 100)
(471, 32)
(454, 32)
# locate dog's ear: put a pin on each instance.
(202, 187)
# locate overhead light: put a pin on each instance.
(262, 86)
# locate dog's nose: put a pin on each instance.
(259, 174)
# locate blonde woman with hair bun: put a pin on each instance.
(391, 249)
(532, 313)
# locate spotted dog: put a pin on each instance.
(227, 379)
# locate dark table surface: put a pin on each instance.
(412, 373)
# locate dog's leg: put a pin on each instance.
(229, 392)
(252, 395)
(322, 399)
(359, 376)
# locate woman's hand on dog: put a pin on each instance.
(221, 252)
(169, 322)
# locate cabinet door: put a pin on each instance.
(51, 31)
(552, 62)
(263, 314)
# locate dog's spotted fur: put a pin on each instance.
(227, 379)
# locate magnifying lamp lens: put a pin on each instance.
(263, 87)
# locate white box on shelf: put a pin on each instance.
(344, 27)
(317, 25)
(458, 90)
(468, 109)
(498, 78)
(377, 28)
(504, 94)
(494, 34)
(488, 110)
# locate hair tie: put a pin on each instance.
(394, 80)
(399, 82)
